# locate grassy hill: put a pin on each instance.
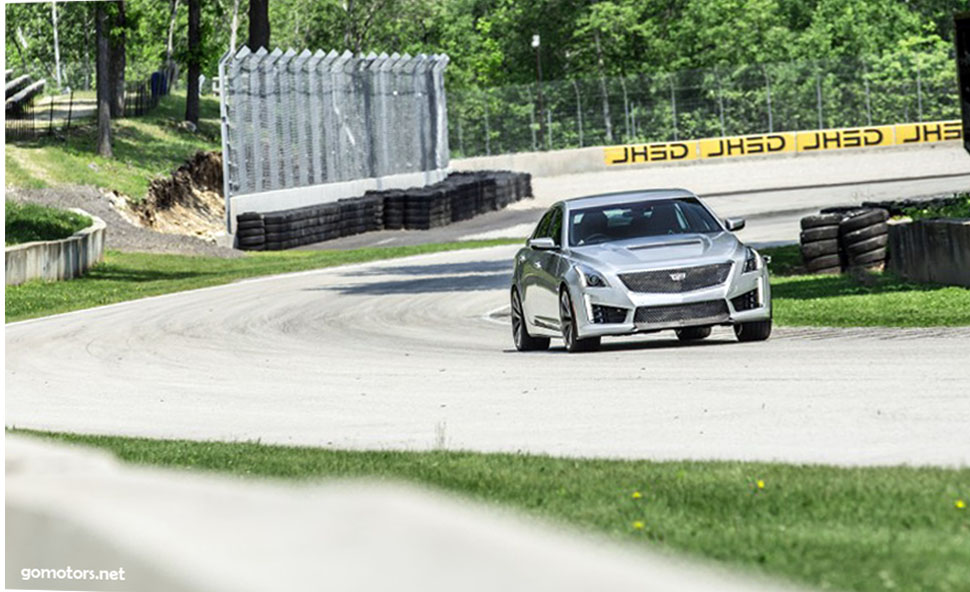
(144, 147)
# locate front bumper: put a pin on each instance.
(743, 297)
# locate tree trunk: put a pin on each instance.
(195, 49)
(57, 46)
(171, 69)
(101, 26)
(118, 61)
(258, 24)
(605, 95)
(234, 27)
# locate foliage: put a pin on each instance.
(859, 528)
(959, 208)
(26, 222)
(129, 276)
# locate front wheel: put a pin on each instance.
(570, 335)
(520, 333)
(753, 330)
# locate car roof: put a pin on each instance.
(605, 199)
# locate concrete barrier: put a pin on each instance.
(931, 251)
(58, 259)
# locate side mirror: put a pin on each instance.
(542, 244)
(733, 224)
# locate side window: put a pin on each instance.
(555, 227)
(543, 226)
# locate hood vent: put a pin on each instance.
(683, 243)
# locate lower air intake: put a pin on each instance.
(746, 301)
(712, 311)
(608, 314)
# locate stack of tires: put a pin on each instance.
(250, 231)
(863, 235)
(820, 243)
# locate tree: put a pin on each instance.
(117, 41)
(194, 59)
(101, 25)
(258, 24)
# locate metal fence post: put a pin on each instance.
(771, 123)
(673, 106)
(818, 96)
(919, 90)
(579, 113)
(626, 109)
(720, 101)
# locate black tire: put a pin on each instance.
(869, 257)
(520, 333)
(819, 233)
(864, 233)
(249, 241)
(820, 248)
(693, 333)
(824, 262)
(862, 219)
(753, 330)
(249, 225)
(817, 220)
(246, 216)
(864, 246)
(248, 232)
(567, 320)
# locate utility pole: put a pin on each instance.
(542, 120)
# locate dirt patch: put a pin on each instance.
(187, 202)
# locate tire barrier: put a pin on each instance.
(459, 197)
(820, 244)
(841, 238)
(863, 238)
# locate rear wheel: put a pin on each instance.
(567, 320)
(693, 333)
(753, 330)
(520, 333)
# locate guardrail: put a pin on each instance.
(58, 259)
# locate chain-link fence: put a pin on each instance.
(703, 103)
(300, 119)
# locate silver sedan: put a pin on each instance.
(636, 262)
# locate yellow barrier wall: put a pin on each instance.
(775, 143)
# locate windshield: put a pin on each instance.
(655, 217)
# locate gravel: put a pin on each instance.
(121, 235)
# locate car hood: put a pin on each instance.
(660, 252)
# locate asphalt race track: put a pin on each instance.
(416, 354)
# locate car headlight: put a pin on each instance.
(751, 262)
(590, 279)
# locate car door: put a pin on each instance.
(548, 273)
(529, 273)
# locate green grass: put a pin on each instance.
(864, 300)
(127, 276)
(26, 222)
(862, 529)
(144, 147)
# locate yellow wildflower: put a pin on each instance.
(636, 495)
(761, 484)
(960, 504)
(638, 525)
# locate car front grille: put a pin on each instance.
(608, 314)
(713, 311)
(672, 281)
